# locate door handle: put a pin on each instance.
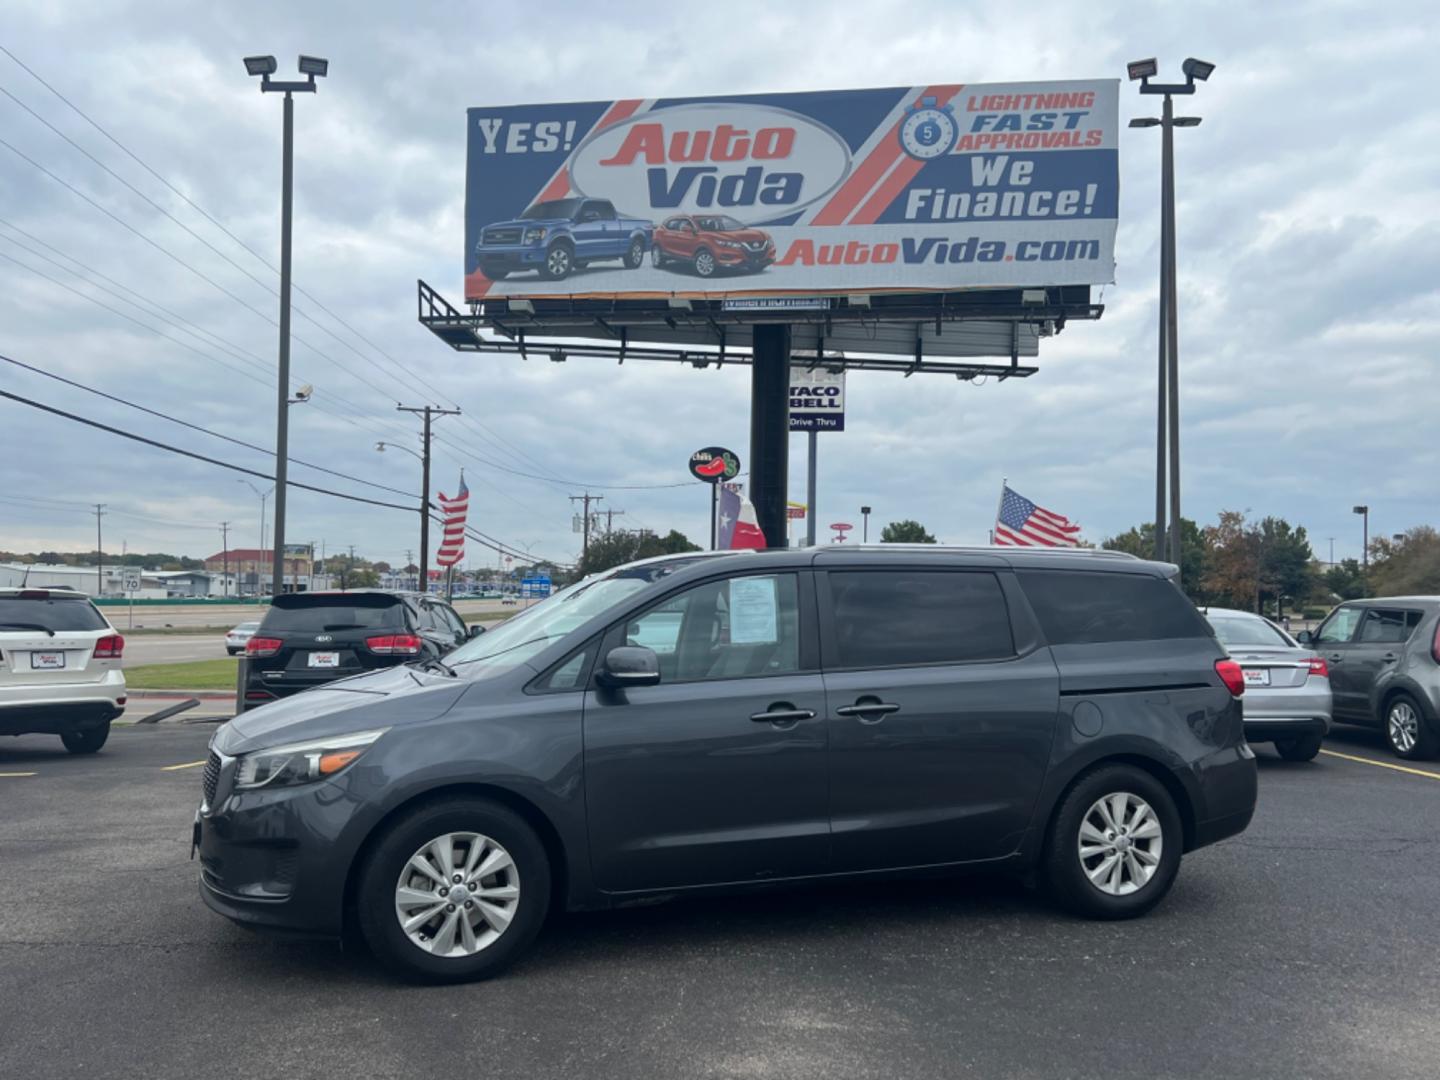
(1390, 657)
(782, 714)
(868, 708)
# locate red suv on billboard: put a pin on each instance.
(709, 242)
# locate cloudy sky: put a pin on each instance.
(1309, 262)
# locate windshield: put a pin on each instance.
(518, 639)
(342, 612)
(553, 210)
(1237, 630)
(719, 223)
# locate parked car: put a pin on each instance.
(1384, 658)
(237, 637)
(559, 236)
(59, 668)
(709, 242)
(796, 714)
(312, 638)
(1287, 686)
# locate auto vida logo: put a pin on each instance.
(753, 162)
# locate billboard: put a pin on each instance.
(907, 188)
(817, 398)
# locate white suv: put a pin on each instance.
(59, 668)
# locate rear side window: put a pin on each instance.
(889, 618)
(1078, 608)
(1390, 627)
(335, 613)
(52, 612)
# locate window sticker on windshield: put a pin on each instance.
(753, 611)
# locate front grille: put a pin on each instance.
(756, 245)
(212, 777)
(502, 236)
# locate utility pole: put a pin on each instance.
(610, 516)
(1332, 549)
(99, 553)
(225, 559)
(428, 412)
(409, 560)
(587, 499)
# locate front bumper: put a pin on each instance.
(752, 261)
(512, 257)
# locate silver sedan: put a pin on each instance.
(1287, 686)
(239, 637)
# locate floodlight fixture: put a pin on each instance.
(1360, 509)
(1142, 69)
(1145, 121)
(317, 67)
(1187, 121)
(557, 356)
(860, 300)
(522, 307)
(302, 395)
(260, 65)
(680, 303)
(1196, 69)
(1033, 297)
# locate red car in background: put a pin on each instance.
(709, 242)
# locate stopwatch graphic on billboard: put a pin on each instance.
(907, 188)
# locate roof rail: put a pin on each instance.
(990, 549)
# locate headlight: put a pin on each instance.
(534, 236)
(300, 763)
(730, 243)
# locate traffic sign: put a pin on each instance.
(534, 588)
(130, 579)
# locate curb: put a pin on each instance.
(160, 695)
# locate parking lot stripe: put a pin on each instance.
(186, 765)
(1383, 764)
(17, 774)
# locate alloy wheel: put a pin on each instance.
(457, 894)
(656, 259)
(1120, 843)
(558, 262)
(704, 264)
(1403, 727)
(637, 254)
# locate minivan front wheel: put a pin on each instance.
(454, 890)
(1114, 844)
(1406, 731)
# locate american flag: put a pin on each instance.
(452, 539)
(1021, 523)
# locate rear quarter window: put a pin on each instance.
(338, 613)
(58, 613)
(1079, 608)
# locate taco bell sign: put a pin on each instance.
(817, 399)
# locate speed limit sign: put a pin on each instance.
(130, 579)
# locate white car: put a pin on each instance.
(59, 668)
(237, 638)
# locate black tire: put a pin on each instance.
(1403, 714)
(704, 264)
(232, 652)
(380, 876)
(493, 273)
(1064, 870)
(86, 740)
(559, 262)
(1303, 748)
(635, 257)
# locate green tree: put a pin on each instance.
(1285, 565)
(1406, 567)
(905, 532)
(1194, 553)
(619, 547)
(1345, 580)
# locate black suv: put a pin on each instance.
(309, 639)
(718, 720)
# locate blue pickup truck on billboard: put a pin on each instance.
(906, 188)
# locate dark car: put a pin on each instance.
(709, 242)
(701, 722)
(312, 638)
(1384, 659)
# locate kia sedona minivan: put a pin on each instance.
(729, 720)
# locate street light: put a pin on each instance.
(1364, 512)
(311, 67)
(383, 446)
(261, 553)
(865, 528)
(1167, 422)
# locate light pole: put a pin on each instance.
(312, 67)
(1364, 512)
(1168, 393)
(424, 459)
(259, 555)
(865, 526)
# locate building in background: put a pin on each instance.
(251, 568)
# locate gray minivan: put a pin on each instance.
(726, 720)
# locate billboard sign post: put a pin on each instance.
(797, 194)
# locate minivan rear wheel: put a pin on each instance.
(1114, 844)
(454, 891)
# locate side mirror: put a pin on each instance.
(1305, 637)
(476, 630)
(630, 665)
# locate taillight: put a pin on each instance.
(109, 647)
(1231, 675)
(263, 646)
(1435, 645)
(394, 645)
(1319, 667)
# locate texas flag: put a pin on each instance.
(739, 527)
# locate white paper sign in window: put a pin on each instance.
(754, 615)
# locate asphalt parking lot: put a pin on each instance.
(1307, 947)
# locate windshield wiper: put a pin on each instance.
(433, 662)
(26, 626)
